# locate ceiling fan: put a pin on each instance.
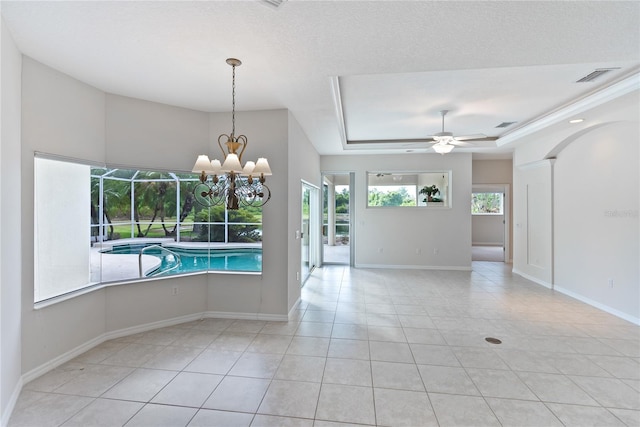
(443, 142)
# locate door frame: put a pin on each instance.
(314, 229)
(506, 210)
(352, 222)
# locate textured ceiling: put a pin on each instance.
(486, 61)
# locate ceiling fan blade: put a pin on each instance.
(461, 143)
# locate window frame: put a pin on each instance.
(502, 197)
(97, 231)
(422, 178)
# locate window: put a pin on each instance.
(408, 189)
(485, 203)
(140, 224)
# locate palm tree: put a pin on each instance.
(114, 194)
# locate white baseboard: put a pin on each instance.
(294, 308)
(596, 304)
(11, 403)
(61, 359)
(246, 316)
(151, 326)
(77, 351)
(499, 244)
(533, 279)
(415, 267)
(71, 354)
(593, 303)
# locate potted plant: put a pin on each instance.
(430, 191)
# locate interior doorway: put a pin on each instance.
(337, 224)
(310, 230)
(490, 222)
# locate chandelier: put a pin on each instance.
(229, 182)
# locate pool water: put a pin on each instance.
(190, 260)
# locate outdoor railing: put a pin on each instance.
(162, 248)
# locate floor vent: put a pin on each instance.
(492, 340)
(505, 124)
(598, 72)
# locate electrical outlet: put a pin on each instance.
(297, 275)
(174, 291)
(380, 250)
(436, 251)
(418, 251)
(610, 281)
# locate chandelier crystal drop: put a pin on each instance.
(229, 182)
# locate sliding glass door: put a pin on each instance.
(309, 230)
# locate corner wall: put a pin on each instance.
(61, 116)
(304, 164)
(266, 294)
(10, 224)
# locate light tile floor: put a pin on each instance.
(365, 347)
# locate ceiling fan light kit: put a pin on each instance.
(443, 148)
(443, 139)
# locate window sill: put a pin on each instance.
(98, 286)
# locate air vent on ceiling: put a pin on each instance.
(598, 72)
(272, 3)
(505, 124)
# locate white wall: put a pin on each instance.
(497, 171)
(533, 221)
(441, 236)
(146, 134)
(134, 304)
(267, 132)
(62, 116)
(596, 218)
(304, 164)
(558, 223)
(10, 224)
(487, 230)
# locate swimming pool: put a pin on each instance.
(178, 260)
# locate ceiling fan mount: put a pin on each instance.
(443, 137)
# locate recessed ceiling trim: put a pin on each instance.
(390, 141)
(616, 90)
(414, 140)
(337, 103)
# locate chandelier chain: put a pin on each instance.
(233, 102)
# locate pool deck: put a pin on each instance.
(118, 267)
